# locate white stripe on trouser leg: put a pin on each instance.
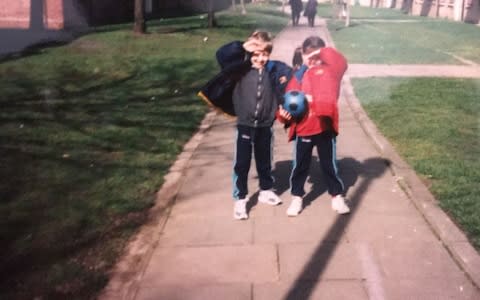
(294, 162)
(334, 162)
(234, 175)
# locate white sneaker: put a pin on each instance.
(240, 209)
(295, 207)
(338, 205)
(269, 197)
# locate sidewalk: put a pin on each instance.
(392, 246)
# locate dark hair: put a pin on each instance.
(297, 59)
(313, 42)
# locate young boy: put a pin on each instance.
(319, 79)
(253, 84)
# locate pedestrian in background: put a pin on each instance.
(296, 8)
(311, 11)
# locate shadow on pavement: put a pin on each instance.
(348, 173)
(370, 169)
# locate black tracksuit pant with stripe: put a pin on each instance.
(260, 139)
(326, 147)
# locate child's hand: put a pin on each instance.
(252, 45)
(313, 55)
(284, 113)
(311, 59)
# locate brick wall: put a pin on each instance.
(17, 13)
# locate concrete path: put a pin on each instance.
(395, 244)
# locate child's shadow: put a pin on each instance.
(348, 172)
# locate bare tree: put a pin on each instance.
(211, 14)
(139, 25)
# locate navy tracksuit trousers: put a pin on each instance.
(260, 139)
(326, 147)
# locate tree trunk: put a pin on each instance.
(211, 15)
(139, 25)
(244, 10)
(347, 13)
(234, 6)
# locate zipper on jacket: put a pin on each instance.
(259, 97)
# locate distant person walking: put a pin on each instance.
(296, 7)
(310, 12)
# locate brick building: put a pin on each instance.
(458, 10)
(28, 13)
(71, 14)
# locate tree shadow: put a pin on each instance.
(57, 147)
(370, 170)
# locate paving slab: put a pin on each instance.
(438, 288)
(178, 231)
(236, 291)
(325, 261)
(317, 290)
(211, 265)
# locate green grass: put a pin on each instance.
(421, 41)
(435, 126)
(87, 132)
(362, 12)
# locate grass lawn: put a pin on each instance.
(362, 12)
(435, 126)
(384, 40)
(87, 132)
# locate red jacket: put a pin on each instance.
(322, 82)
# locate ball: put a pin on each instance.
(295, 103)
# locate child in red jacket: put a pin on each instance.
(319, 79)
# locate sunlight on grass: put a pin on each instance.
(390, 42)
(434, 124)
(364, 12)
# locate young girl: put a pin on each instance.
(319, 79)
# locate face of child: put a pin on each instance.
(259, 59)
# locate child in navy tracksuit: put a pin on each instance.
(250, 86)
